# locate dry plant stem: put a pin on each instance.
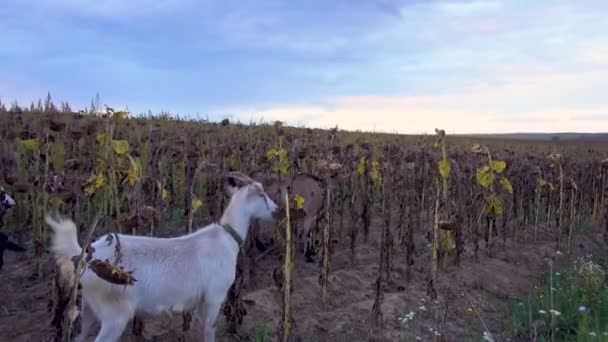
(594, 213)
(325, 269)
(287, 269)
(537, 204)
(432, 291)
(190, 217)
(80, 265)
(572, 219)
(45, 198)
(605, 194)
(485, 326)
(561, 206)
(603, 191)
(326, 242)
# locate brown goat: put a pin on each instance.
(310, 187)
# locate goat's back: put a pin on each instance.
(172, 274)
(306, 185)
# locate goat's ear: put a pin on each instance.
(231, 185)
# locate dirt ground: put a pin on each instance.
(489, 283)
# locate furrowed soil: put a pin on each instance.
(489, 283)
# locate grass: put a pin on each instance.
(571, 304)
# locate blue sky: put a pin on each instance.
(406, 66)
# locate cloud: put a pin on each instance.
(525, 102)
(476, 65)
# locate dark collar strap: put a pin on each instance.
(233, 233)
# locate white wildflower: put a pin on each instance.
(555, 313)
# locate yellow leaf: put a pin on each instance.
(94, 183)
(484, 176)
(543, 183)
(444, 168)
(31, 144)
(495, 206)
(196, 203)
(133, 174)
(361, 167)
(498, 165)
(438, 144)
(120, 115)
(120, 146)
(374, 173)
(270, 154)
(506, 184)
(164, 194)
(299, 201)
(101, 138)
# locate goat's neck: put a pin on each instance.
(237, 218)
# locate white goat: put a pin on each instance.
(194, 271)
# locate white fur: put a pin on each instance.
(7, 201)
(193, 271)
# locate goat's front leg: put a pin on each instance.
(113, 323)
(209, 310)
(307, 235)
(87, 318)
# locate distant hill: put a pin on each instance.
(569, 137)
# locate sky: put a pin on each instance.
(478, 66)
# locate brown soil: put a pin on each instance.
(489, 282)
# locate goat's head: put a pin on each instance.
(6, 201)
(252, 195)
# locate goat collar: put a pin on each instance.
(228, 228)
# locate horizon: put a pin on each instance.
(406, 67)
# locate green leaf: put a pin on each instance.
(444, 168)
(57, 152)
(120, 146)
(447, 243)
(506, 184)
(31, 144)
(485, 177)
(498, 165)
